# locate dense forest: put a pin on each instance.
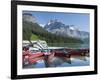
(33, 31)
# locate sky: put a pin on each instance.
(79, 20)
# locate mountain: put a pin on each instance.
(28, 17)
(32, 31)
(59, 28)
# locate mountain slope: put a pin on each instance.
(33, 28)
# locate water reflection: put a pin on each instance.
(61, 62)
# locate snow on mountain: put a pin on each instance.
(57, 27)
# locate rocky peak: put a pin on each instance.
(57, 27)
(29, 17)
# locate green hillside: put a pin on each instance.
(33, 31)
(34, 37)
